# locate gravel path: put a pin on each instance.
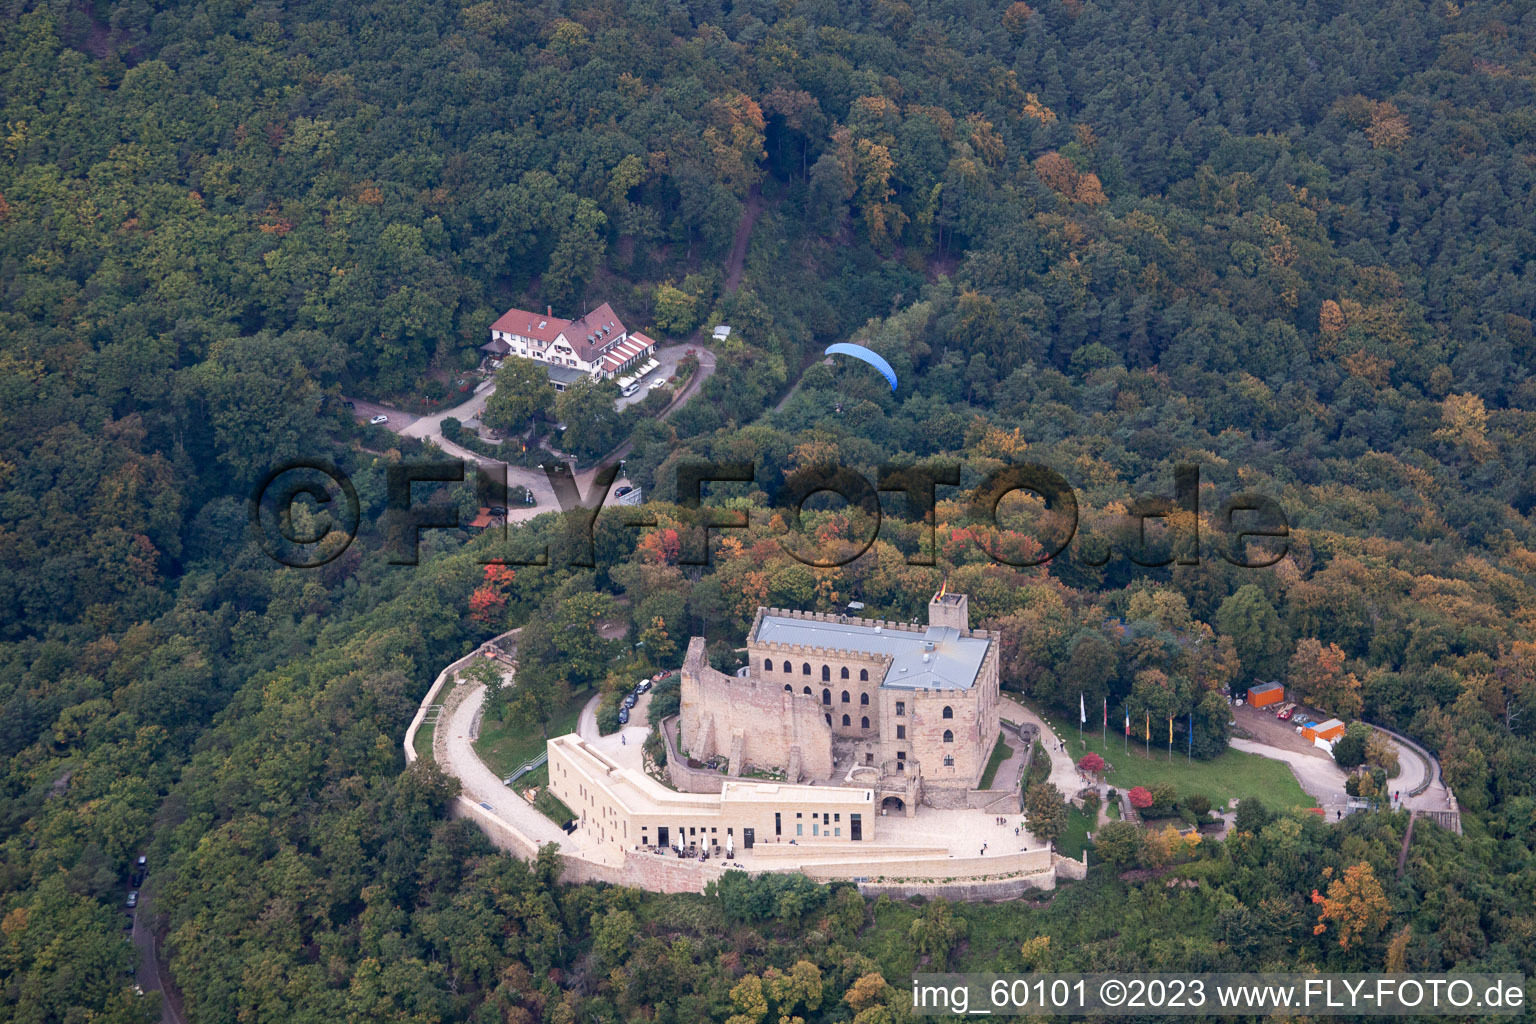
(454, 751)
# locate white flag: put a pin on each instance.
(1082, 710)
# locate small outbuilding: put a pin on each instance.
(1265, 694)
(1329, 730)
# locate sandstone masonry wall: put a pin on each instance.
(720, 711)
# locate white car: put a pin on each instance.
(379, 419)
(629, 390)
(658, 382)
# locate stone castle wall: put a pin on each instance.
(751, 720)
(889, 724)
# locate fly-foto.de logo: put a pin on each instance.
(1159, 530)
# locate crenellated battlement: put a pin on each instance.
(893, 625)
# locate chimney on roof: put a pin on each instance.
(549, 310)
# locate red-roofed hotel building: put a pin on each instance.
(597, 344)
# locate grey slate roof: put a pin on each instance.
(952, 664)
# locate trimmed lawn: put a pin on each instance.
(1233, 774)
(1000, 753)
(503, 747)
(423, 742)
(1079, 824)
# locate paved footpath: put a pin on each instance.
(452, 748)
(1063, 769)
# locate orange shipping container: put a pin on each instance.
(1329, 730)
(1265, 694)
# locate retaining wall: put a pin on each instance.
(437, 684)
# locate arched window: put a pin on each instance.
(844, 672)
(826, 696)
(826, 673)
(949, 761)
(864, 723)
(847, 721)
(767, 664)
(864, 699)
(845, 696)
(949, 737)
(788, 667)
(805, 668)
(828, 718)
(806, 691)
(788, 688)
(949, 712)
(863, 675)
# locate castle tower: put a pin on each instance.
(947, 609)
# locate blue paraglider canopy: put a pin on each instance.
(860, 352)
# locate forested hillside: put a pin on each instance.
(1287, 242)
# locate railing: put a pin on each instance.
(527, 766)
(1431, 764)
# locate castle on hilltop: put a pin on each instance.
(909, 711)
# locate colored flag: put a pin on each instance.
(1190, 744)
(1127, 721)
(1149, 726)
(1170, 729)
(1106, 712)
(1082, 709)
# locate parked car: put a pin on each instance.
(621, 491)
(629, 702)
(645, 684)
(623, 716)
(497, 510)
(348, 403)
(629, 389)
(658, 382)
(379, 419)
(133, 898)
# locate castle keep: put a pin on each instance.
(910, 711)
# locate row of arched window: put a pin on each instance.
(826, 670)
(949, 737)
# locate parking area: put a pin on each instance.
(1313, 767)
(668, 356)
(1262, 725)
(366, 411)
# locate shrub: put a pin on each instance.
(666, 700)
(1200, 804)
(608, 713)
(1118, 843)
(1251, 815)
(1141, 797)
(452, 428)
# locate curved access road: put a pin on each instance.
(455, 753)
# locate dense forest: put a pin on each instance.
(1288, 242)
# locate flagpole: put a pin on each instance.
(1189, 748)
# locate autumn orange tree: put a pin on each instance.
(1318, 676)
(1354, 903)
